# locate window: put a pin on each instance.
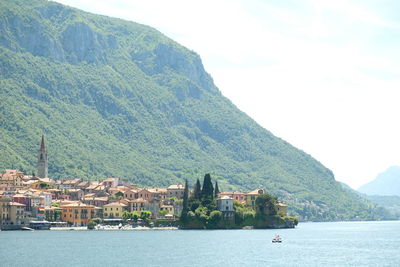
(226, 208)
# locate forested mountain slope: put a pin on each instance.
(116, 98)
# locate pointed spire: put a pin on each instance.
(42, 146)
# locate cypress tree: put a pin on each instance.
(185, 203)
(208, 190)
(216, 190)
(197, 190)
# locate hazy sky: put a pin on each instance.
(323, 75)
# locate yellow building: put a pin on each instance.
(114, 210)
(77, 214)
(252, 196)
(12, 213)
(282, 209)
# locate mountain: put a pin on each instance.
(386, 183)
(116, 98)
(390, 203)
(386, 206)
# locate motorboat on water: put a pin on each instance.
(277, 239)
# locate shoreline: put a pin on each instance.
(84, 228)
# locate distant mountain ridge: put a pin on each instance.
(386, 183)
(116, 98)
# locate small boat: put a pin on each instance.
(277, 239)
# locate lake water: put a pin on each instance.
(310, 244)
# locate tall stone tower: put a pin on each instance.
(42, 160)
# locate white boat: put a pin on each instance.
(277, 239)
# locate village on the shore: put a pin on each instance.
(39, 202)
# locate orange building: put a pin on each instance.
(77, 214)
(238, 196)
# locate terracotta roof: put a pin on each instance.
(84, 183)
(132, 190)
(79, 204)
(155, 190)
(46, 180)
(226, 197)
(115, 204)
(72, 181)
(176, 186)
(111, 179)
(138, 200)
(74, 190)
(231, 193)
(19, 195)
(255, 192)
(16, 204)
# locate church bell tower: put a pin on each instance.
(42, 160)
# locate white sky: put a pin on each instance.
(322, 75)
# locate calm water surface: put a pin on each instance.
(310, 244)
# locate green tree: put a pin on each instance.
(201, 214)
(135, 216)
(197, 190)
(57, 215)
(216, 190)
(215, 218)
(126, 215)
(145, 215)
(163, 212)
(266, 204)
(119, 195)
(91, 225)
(97, 220)
(185, 204)
(208, 190)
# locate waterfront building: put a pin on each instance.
(77, 214)
(12, 213)
(225, 205)
(252, 196)
(114, 210)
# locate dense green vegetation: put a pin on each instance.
(391, 203)
(116, 98)
(202, 212)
